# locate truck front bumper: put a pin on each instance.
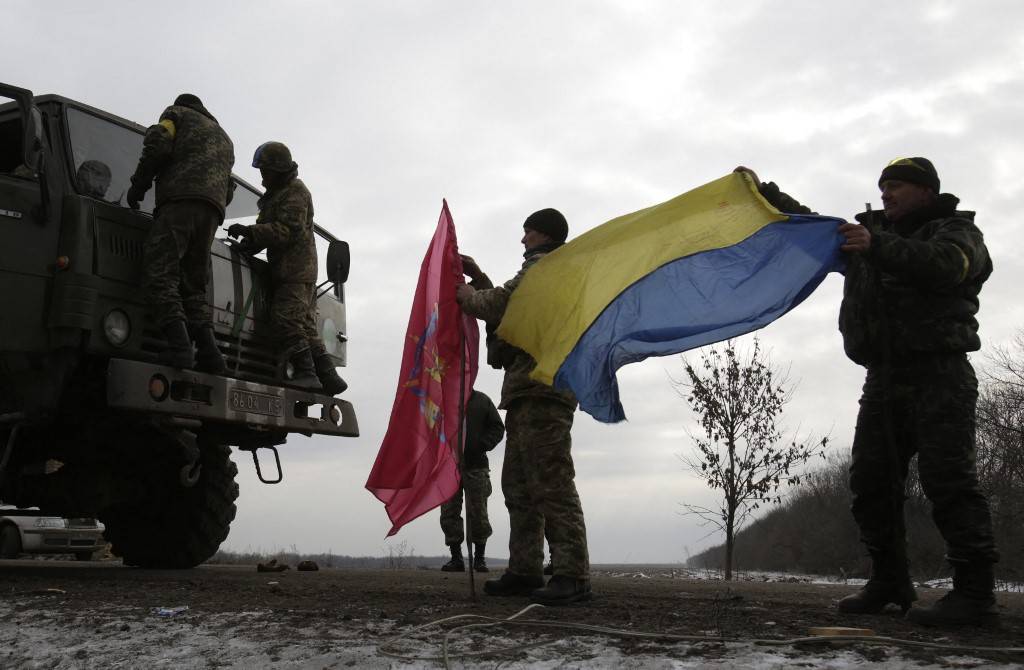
(196, 396)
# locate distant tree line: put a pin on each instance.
(812, 531)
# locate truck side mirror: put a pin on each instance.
(338, 262)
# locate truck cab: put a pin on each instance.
(91, 425)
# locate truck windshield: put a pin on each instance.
(99, 146)
(105, 155)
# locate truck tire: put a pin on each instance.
(185, 526)
(10, 542)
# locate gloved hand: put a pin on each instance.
(135, 195)
(239, 230)
(470, 267)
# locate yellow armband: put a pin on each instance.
(169, 125)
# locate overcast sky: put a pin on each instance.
(595, 107)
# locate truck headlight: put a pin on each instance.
(117, 327)
(334, 415)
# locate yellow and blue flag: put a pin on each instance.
(708, 265)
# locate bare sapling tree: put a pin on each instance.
(1000, 446)
(739, 401)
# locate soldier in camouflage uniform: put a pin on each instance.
(190, 157)
(484, 430)
(908, 315)
(538, 473)
(285, 229)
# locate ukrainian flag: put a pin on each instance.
(711, 264)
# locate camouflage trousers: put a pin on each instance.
(176, 262)
(293, 315)
(477, 485)
(537, 480)
(924, 405)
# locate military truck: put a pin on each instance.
(90, 424)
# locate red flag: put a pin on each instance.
(417, 465)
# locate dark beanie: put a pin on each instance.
(550, 222)
(914, 170)
(188, 100)
(193, 102)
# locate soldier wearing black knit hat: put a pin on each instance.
(907, 185)
(908, 315)
(188, 156)
(917, 170)
(538, 478)
(550, 222)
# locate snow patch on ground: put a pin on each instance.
(33, 638)
(107, 637)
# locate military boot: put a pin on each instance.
(563, 590)
(178, 352)
(889, 583)
(972, 601)
(479, 563)
(208, 356)
(511, 584)
(330, 379)
(303, 373)
(456, 564)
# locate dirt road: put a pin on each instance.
(104, 615)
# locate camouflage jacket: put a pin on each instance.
(489, 305)
(285, 229)
(484, 430)
(916, 290)
(782, 201)
(189, 155)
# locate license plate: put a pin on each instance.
(255, 403)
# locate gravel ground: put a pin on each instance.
(57, 614)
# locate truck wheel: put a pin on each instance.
(180, 527)
(10, 542)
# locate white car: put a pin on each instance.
(25, 531)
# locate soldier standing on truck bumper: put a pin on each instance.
(285, 229)
(190, 157)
